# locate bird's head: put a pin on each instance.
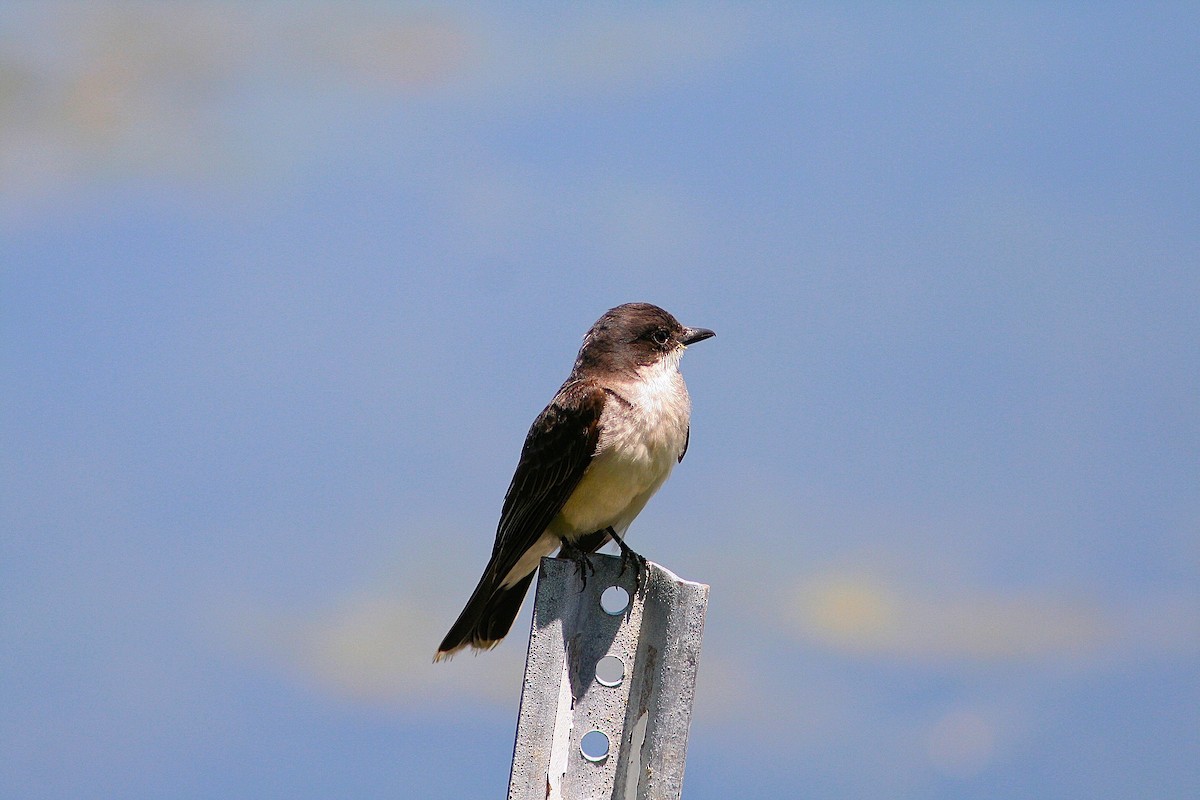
(635, 335)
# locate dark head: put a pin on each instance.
(634, 335)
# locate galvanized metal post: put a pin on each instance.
(607, 698)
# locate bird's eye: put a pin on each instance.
(660, 336)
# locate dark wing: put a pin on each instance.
(557, 451)
(687, 437)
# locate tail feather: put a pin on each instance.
(487, 617)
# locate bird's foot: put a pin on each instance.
(583, 564)
(629, 557)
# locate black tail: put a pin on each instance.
(487, 617)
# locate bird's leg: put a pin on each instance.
(629, 557)
(583, 564)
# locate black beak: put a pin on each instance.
(693, 335)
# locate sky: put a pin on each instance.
(283, 285)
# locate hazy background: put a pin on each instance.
(283, 286)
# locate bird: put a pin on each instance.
(592, 459)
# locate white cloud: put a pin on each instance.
(962, 743)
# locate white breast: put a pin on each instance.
(641, 440)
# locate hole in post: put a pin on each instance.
(610, 671)
(614, 600)
(594, 746)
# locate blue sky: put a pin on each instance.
(281, 288)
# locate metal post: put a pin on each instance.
(641, 705)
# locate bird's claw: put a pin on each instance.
(628, 556)
(583, 564)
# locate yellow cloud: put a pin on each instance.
(182, 89)
(868, 615)
(377, 648)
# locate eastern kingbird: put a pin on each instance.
(591, 460)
